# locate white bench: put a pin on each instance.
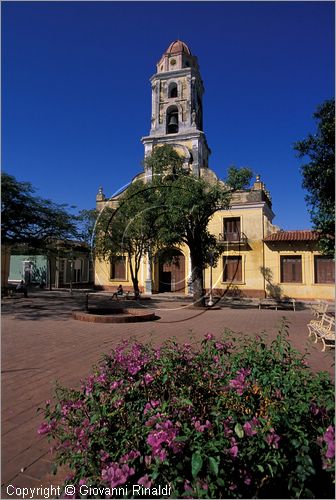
(319, 308)
(323, 329)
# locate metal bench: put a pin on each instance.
(126, 296)
(323, 329)
(319, 308)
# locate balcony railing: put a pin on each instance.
(233, 238)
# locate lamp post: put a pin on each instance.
(211, 303)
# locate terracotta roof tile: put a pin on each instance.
(296, 235)
(178, 46)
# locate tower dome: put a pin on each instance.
(177, 46)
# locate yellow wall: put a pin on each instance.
(307, 289)
(102, 276)
(255, 255)
(252, 223)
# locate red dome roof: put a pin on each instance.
(178, 46)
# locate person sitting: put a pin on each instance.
(22, 287)
(120, 291)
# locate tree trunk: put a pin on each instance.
(197, 281)
(135, 281)
(49, 271)
(135, 286)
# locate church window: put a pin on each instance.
(291, 268)
(118, 267)
(231, 229)
(324, 269)
(172, 90)
(232, 269)
(172, 120)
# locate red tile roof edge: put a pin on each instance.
(293, 235)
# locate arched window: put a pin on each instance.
(172, 90)
(172, 120)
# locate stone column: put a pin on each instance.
(154, 105)
(148, 282)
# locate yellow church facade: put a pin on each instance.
(258, 258)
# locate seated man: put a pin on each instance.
(120, 291)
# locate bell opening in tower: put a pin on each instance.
(172, 120)
(172, 90)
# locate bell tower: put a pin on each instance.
(177, 110)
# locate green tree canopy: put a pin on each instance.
(171, 208)
(128, 230)
(319, 174)
(29, 219)
(186, 205)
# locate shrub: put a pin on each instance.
(233, 419)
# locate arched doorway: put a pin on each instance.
(171, 271)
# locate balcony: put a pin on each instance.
(233, 239)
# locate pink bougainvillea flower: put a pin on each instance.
(273, 439)
(329, 438)
(153, 419)
(151, 405)
(129, 456)
(115, 475)
(101, 378)
(145, 481)
(46, 427)
(104, 456)
(202, 428)
(209, 336)
(148, 378)
(234, 451)
(249, 429)
(239, 384)
(187, 486)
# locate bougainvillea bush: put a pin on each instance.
(238, 419)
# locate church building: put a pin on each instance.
(259, 259)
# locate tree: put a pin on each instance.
(32, 222)
(319, 174)
(129, 229)
(87, 220)
(187, 204)
(29, 219)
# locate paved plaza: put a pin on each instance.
(41, 343)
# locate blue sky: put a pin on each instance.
(76, 93)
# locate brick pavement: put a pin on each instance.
(41, 343)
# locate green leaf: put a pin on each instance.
(213, 464)
(239, 430)
(196, 463)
